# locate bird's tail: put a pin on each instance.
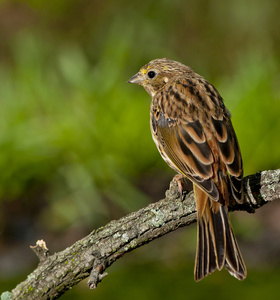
(216, 243)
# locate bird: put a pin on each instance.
(192, 130)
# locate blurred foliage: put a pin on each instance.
(74, 137)
(66, 127)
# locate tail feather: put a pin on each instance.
(218, 237)
(206, 255)
(234, 262)
(216, 243)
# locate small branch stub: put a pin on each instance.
(96, 276)
(41, 250)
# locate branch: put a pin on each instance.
(92, 255)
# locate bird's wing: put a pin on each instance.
(196, 136)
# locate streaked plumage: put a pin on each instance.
(193, 133)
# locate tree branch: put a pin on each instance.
(92, 255)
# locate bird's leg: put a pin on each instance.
(184, 185)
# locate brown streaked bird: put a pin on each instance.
(193, 132)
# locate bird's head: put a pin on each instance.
(157, 73)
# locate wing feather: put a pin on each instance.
(185, 161)
(197, 145)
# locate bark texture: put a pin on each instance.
(92, 255)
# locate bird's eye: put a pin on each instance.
(151, 74)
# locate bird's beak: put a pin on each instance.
(137, 78)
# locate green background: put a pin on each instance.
(76, 150)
